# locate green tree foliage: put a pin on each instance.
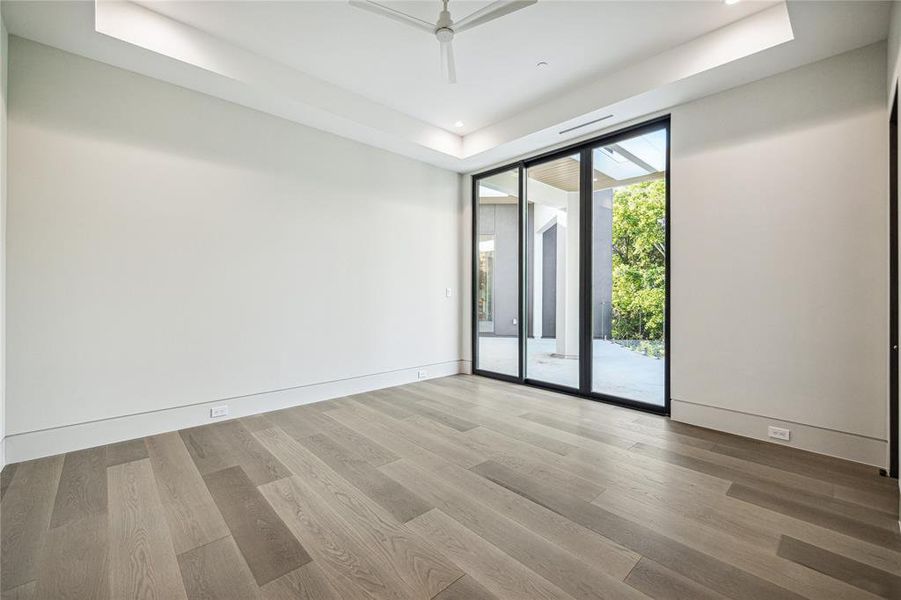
(639, 255)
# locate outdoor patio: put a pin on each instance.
(618, 371)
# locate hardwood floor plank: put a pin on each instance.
(823, 468)
(884, 501)
(124, 452)
(579, 429)
(216, 571)
(141, 556)
(465, 588)
(574, 481)
(22, 592)
(74, 563)
(402, 503)
(306, 583)
(229, 444)
(426, 571)
(414, 432)
(577, 539)
(6, 477)
(790, 459)
(458, 397)
(731, 473)
(267, 545)
(502, 424)
(257, 422)
(209, 451)
(567, 571)
(818, 516)
(658, 582)
(840, 567)
(493, 569)
(360, 447)
(409, 398)
(382, 401)
(259, 465)
(193, 517)
(302, 421)
(726, 547)
(755, 525)
(82, 487)
(25, 519)
(688, 562)
(336, 547)
(843, 510)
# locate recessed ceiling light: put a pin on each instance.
(458, 124)
(542, 65)
(731, 1)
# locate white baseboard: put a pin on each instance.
(850, 446)
(57, 440)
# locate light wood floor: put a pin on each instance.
(460, 488)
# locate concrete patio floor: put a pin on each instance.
(618, 371)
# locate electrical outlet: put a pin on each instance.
(779, 433)
(218, 411)
(448, 292)
(421, 373)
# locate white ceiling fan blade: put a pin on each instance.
(396, 15)
(491, 12)
(448, 66)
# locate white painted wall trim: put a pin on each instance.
(57, 440)
(840, 444)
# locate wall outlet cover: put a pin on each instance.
(779, 433)
(218, 411)
(421, 373)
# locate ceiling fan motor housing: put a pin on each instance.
(444, 34)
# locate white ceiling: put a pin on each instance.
(331, 66)
(398, 66)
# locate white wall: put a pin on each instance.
(779, 261)
(4, 63)
(168, 249)
(893, 57)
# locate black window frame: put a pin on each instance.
(584, 149)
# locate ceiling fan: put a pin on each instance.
(445, 28)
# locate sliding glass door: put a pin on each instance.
(628, 275)
(552, 271)
(497, 267)
(571, 267)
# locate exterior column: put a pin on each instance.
(568, 281)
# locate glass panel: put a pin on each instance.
(497, 295)
(629, 268)
(552, 276)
